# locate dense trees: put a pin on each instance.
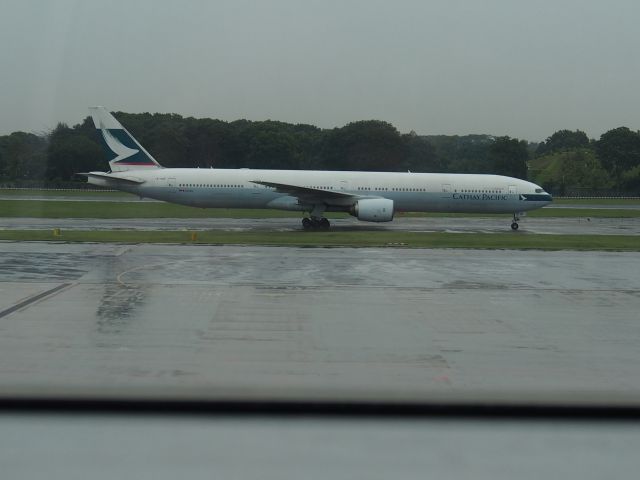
(563, 140)
(188, 142)
(509, 156)
(462, 154)
(22, 156)
(565, 160)
(619, 151)
(570, 170)
(570, 162)
(70, 152)
(365, 145)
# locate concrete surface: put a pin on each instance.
(407, 323)
(573, 226)
(71, 447)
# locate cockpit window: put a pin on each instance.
(539, 190)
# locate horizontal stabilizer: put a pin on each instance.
(106, 179)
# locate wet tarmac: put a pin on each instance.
(107, 447)
(570, 226)
(288, 321)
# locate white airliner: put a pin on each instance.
(369, 196)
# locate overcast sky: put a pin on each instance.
(502, 67)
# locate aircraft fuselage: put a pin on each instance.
(410, 192)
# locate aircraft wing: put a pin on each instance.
(308, 194)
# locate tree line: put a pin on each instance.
(567, 159)
(568, 162)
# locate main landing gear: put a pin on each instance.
(514, 224)
(315, 220)
(311, 223)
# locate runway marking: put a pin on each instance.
(33, 299)
(123, 250)
(140, 267)
(291, 288)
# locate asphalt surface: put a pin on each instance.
(319, 322)
(106, 447)
(573, 226)
(292, 323)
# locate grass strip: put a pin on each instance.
(596, 201)
(584, 213)
(62, 209)
(89, 194)
(509, 240)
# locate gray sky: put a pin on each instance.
(504, 67)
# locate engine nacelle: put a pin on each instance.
(373, 210)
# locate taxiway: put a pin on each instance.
(340, 321)
(567, 226)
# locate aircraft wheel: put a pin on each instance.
(307, 224)
(514, 226)
(324, 224)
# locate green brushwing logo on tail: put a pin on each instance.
(123, 151)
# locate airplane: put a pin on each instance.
(368, 196)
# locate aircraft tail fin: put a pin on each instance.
(123, 151)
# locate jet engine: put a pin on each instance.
(373, 210)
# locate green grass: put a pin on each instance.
(34, 192)
(596, 201)
(543, 213)
(510, 240)
(584, 213)
(97, 209)
(63, 209)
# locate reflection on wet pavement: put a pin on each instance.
(401, 321)
(117, 308)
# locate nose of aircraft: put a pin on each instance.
(539, 195)
(543, 196)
